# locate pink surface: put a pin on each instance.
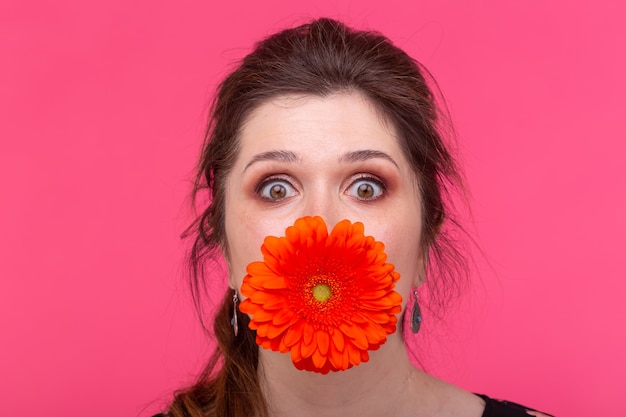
(102, 108)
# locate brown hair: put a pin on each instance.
(319, 58)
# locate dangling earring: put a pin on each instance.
(416, 314)
(233, 321)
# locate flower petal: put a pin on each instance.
(338, 339)
(307, 349)
(360, 340)
(282, 316)
(354, 354)
(274, 331)
(294, 334)
(323, 341)
(308, 333)
(319, 359)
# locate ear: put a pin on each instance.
(231, 281)
(422, 259)
(224, 251)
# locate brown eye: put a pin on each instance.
(278, 191)
(275, 189)
(366, 189)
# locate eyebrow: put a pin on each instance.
(364, 155)
(288, 156)
(281, 156)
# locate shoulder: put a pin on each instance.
(502, 408)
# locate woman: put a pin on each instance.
(324, 126)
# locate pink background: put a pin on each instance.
(102, 106)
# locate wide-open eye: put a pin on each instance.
(366, 188)
(275, 189)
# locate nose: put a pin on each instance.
(327, 205)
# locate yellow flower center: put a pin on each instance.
(322, 292)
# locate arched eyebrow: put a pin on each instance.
(291, 157)
(364, 155)
(281, 156)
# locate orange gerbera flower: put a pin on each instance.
(326, 298)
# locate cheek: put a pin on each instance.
(406, 257)
(403, 246)
(243, 247)
(403, 237)
(245, 230)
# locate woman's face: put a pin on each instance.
(332, 157)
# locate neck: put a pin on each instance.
(388, 384)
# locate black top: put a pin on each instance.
(500, 408)
(493, 408)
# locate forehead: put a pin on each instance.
(312, 124)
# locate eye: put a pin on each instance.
(275, 189)
(366, 188)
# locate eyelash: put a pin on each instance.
(269, 180)
(379, 183)
(371, 179)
